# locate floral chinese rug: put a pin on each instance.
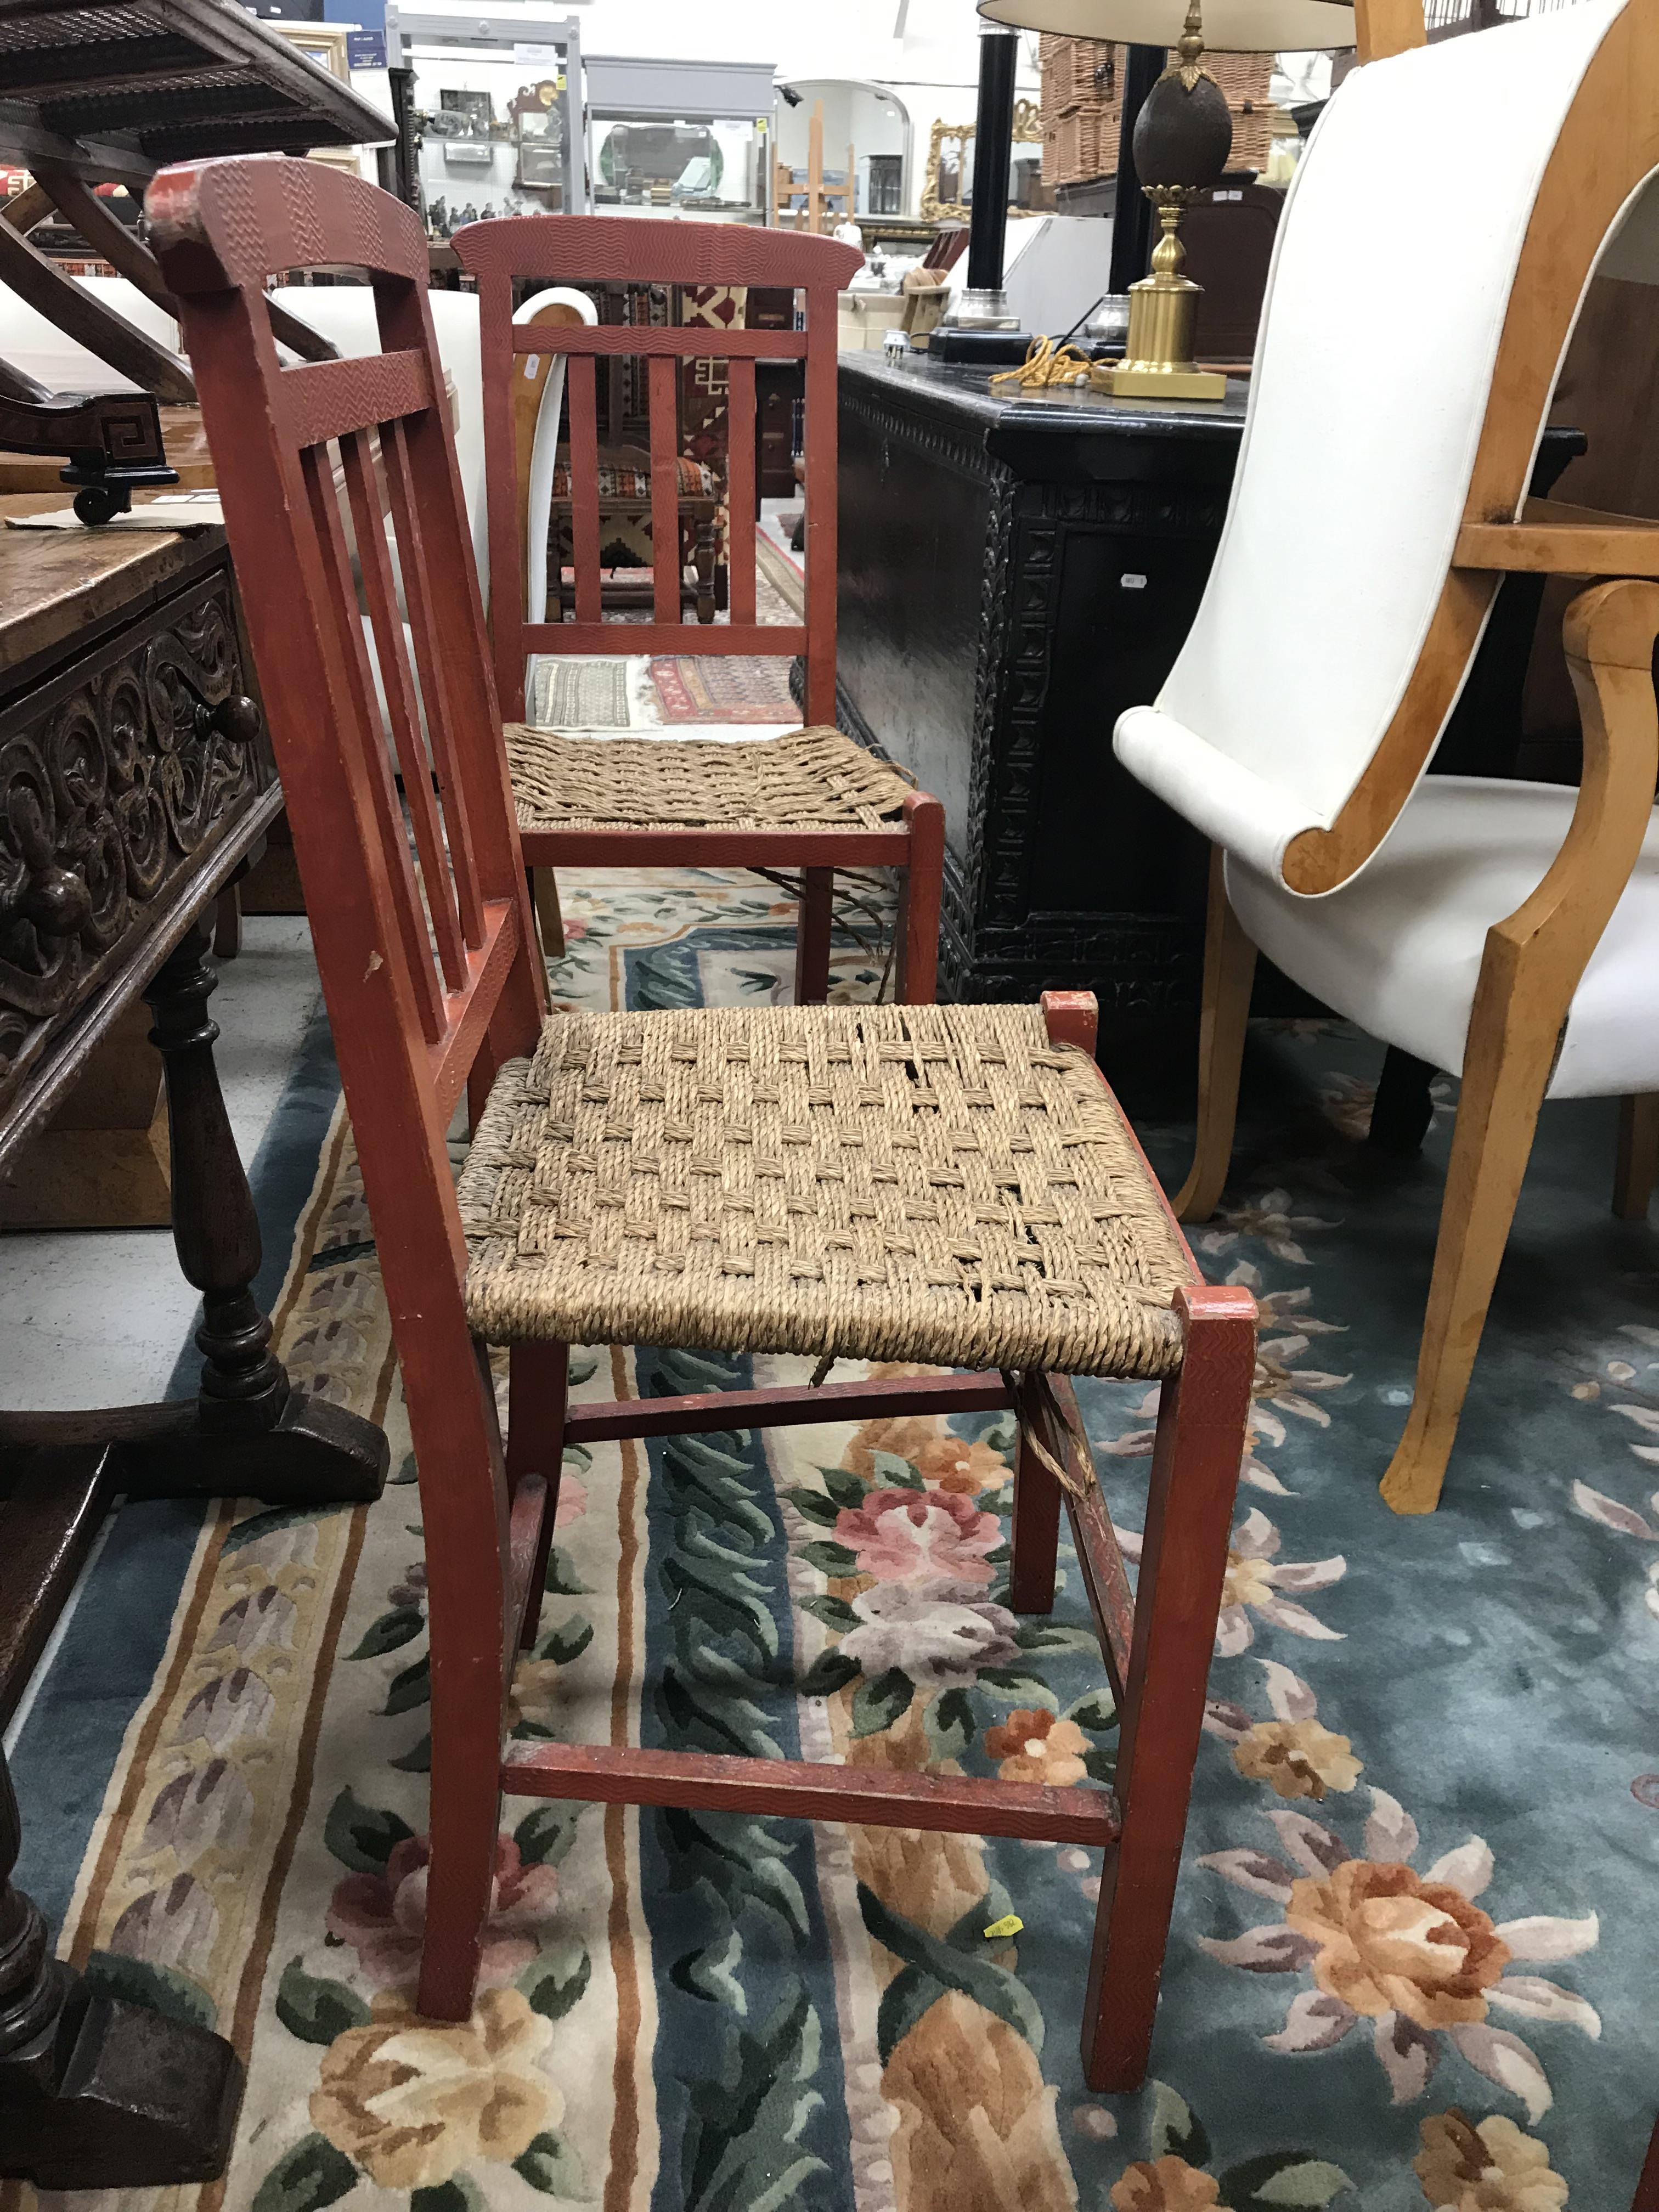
(1416, 1937)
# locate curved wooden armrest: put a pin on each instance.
(1555, 539)
(1609, 632)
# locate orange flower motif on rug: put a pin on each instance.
(1165, 2184)
(1035, 1746)
(1413, 1954)
(1489, 2167)
(412, 2100)
(1387, 1941)
(938, 1453)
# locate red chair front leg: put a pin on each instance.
(1202, 1423)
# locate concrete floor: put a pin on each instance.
(98, 1317)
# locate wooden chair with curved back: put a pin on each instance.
(952, 1186)
(811, 800)
(1506, 931)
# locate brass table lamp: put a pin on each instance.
(1181, 139)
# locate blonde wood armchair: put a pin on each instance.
(1504, 931)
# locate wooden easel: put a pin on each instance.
(815, 217)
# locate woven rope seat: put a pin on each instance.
(929, 1184)
(814, 779)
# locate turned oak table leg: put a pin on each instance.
(249, 1433)
(95, 2093)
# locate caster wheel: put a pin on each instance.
(93, 504)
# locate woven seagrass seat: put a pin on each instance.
(812, 779)
(934, 1183)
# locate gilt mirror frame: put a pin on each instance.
(1027, 132)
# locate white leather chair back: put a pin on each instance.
(33, 342)
(1389, 287)
(344, 314)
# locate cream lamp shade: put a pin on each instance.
(1231, 27)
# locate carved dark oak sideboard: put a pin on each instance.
(1014, 572)
(135, 780)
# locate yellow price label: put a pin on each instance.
(1010, 1924)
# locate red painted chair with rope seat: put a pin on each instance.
(813, 799)
(946, 1185)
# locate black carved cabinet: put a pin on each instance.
(1014, 573)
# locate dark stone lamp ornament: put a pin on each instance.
(1182, 138)
(1178, 141)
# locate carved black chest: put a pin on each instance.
(1014, 573)
(132, 774)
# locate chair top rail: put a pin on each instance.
(235, 222)
(617, 249)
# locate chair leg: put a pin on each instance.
(920, 901)
(1637, 1167)
(1646, 2198)
(1229, 970)
(537, 1380)
(464, 1502)
(1200, 1445)
(549, 919)
(818, 887)
(1506, 1070)
(1036, 1534)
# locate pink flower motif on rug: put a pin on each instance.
(383, 1916)
(907, 1536)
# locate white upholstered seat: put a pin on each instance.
(1398, 948)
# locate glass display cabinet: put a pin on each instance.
(498, 100)
(692, 138)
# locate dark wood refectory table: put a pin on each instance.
(136, 779)
(1015, 570)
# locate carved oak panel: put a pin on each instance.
(118, 775)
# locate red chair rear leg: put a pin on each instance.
(537, 1381)
(920, 900)
(812, 938)
(1195, 1461)
(1036, 1533)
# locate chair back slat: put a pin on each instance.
(402, 712)
(666, 562)
(584, 488)
(419, 909)
(323, 499)
(616, 250)
(442, 713)
(740, 488)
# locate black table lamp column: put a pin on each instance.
(977, 325)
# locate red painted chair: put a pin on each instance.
(812, 799)
(948, 1185)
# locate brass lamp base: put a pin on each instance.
(1158, 361)
(1152, 380)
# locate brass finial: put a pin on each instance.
(1190, 48)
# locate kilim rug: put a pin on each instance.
(577, 694)
(706, 690)
(1416, 1939)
